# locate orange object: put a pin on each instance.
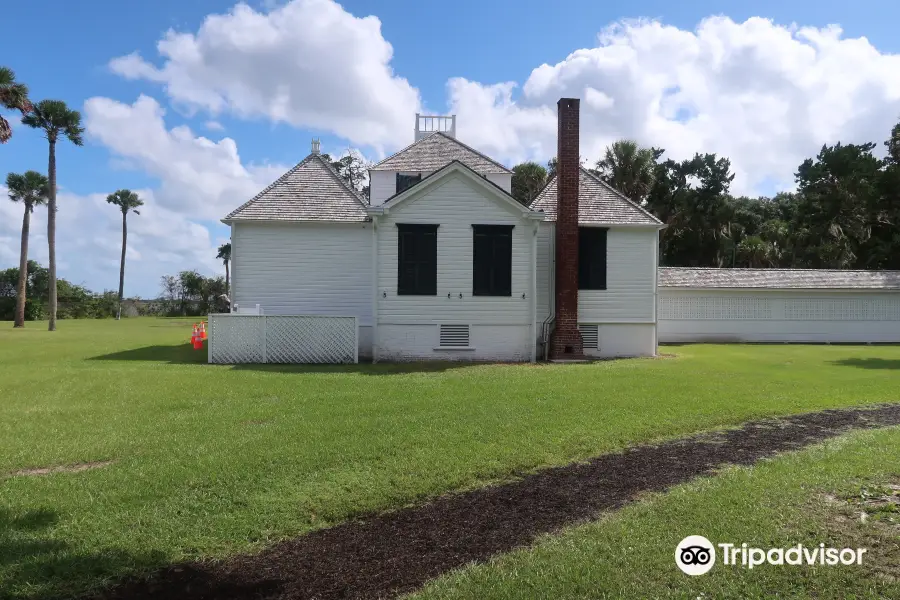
(196, 340)
(203, 330)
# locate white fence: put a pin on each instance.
(241, 338)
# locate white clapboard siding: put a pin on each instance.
(630, 280)
(544, 270)
(504, 180)
(303, 268)
(455, 205)
(744, 315)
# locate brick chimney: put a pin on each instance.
(566, 341)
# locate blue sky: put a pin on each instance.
(483, 44)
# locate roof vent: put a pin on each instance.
(428, 124)
(315, 145)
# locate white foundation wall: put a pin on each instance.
(616, 340)
(706, 315)
(305, 269)
(502, 343)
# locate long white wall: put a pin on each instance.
(704, 315)
(305, 269)
(455, 205)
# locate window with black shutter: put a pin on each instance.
(407, 181)
(591, 258)
(417, 260)
(492, 260)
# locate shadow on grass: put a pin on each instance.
(35, 565)
(880, 364)
(185, 354)
(180, 354)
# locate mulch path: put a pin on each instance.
(396, 552)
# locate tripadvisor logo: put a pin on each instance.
(696, 555)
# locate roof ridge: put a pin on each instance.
(270, 186)
(452, 139)
(621, 195)
(792, 269)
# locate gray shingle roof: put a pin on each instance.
(598, 203)
(435, 151)
(778, 278)
(311, 191)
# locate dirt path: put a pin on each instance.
(397, 552)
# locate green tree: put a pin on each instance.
(629, 168)
(127, 201)
(691, 197)
(54, 117)
(225, 256)
(30, 189)
(552, 165)
(839, 198)
(14, 96)
(528, 180)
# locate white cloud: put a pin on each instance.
(199, 178)
(214, 126)
(308, 63)
(764, 95)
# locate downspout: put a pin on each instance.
(232, 288)
(656, 295)
(533, 307)
(374, 289)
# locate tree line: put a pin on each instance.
(844, 213)
(33, 189)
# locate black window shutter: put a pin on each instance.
(417, 260)
(492, 260)
(428, 264)
(591, 258)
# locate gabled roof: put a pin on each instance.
(311, 191)
(436, 150)
(598, 203)
(460, 167)
(688, 277)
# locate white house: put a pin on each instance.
(443, 263)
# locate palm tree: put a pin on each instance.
(54, 117)
(628, 168)
(31, 190)
(225, 255)
(127, 201)
(13, 96)
(527, 181)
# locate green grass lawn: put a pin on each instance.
(809, 497)
(211, 460)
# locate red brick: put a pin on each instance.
(566, 341)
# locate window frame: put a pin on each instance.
(420, 284)
(592, 241)
(494, 235)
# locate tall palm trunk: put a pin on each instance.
(122, 263)
(51, 233)
(23, 270)
(227, 279)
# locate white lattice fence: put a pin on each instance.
(282, 339)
